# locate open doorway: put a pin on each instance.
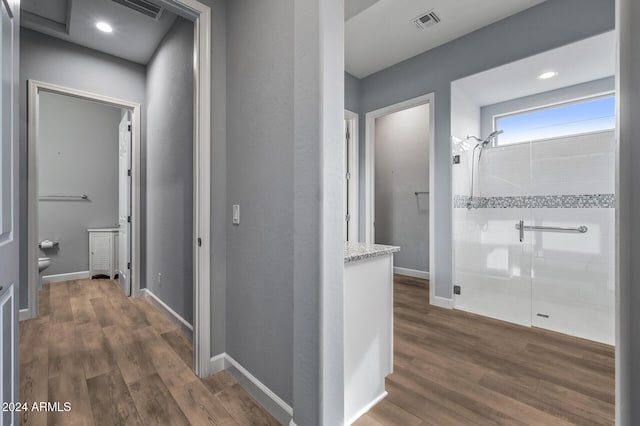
(165, 79)
(84, 158)
(399, 183)
(525, 230)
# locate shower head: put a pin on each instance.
(484, 142)
(491, 137)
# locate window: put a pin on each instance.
(584, 116)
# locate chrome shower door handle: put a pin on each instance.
(520, 227)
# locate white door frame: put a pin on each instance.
(354, 179)
(201, 15)
(369, 196)
(35, 88)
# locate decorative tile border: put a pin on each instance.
(580, 201)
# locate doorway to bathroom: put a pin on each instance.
(399, 185)
(84, 180)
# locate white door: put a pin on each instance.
(8, 211)
(124, 205)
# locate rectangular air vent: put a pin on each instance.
(426, 20)
(145, 7)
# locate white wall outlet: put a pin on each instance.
(236, 214)
(159, 279)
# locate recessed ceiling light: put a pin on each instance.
(104, 27)
(547, 75)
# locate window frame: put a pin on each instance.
(582, 99)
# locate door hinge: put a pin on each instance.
(347, 217)
(129, 127)
(457, 289)
(128, 265)
(129, 172)
(456, 159)
(348, 175)
(199, 242)
(128, 219)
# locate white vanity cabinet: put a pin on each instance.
(103, 252)
(368, 325)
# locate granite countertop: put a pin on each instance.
(359, 251)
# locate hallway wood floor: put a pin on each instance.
(119, 361)
(455, 368)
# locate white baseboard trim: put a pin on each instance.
(58, 278)
(218, 363)
(268, 392)
(24, 314)
(442, 302)
(167, 311)
(411, 272)
(279, 409)
(367, 407)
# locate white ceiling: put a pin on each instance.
(353, 7)
(134, 37)
(383, 34)
(586, 60)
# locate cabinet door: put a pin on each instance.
(100, 252)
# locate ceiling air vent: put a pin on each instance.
(426, 20)
(145, 7)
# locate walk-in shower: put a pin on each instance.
(533, 197)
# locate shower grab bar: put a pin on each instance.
(63, 197)
(520, 226)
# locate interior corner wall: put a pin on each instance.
(169, 170)
(543, 27)
(260, 153)
(351, 93)
(465, 114)
(564, 94)
(55, 61)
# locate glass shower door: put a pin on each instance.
(573, 283)
(492, 265)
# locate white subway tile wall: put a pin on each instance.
(562, 281)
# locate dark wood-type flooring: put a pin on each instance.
(119, 361)
(455, 368)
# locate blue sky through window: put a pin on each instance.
(563, 120)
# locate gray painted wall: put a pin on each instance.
(401, 169)
(285, 106)
(541, 28)
(260, 179)
(564, 94)
(55, 61)
(351, 93)
(170, 170)
(77, 154)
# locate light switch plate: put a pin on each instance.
(236, 214)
